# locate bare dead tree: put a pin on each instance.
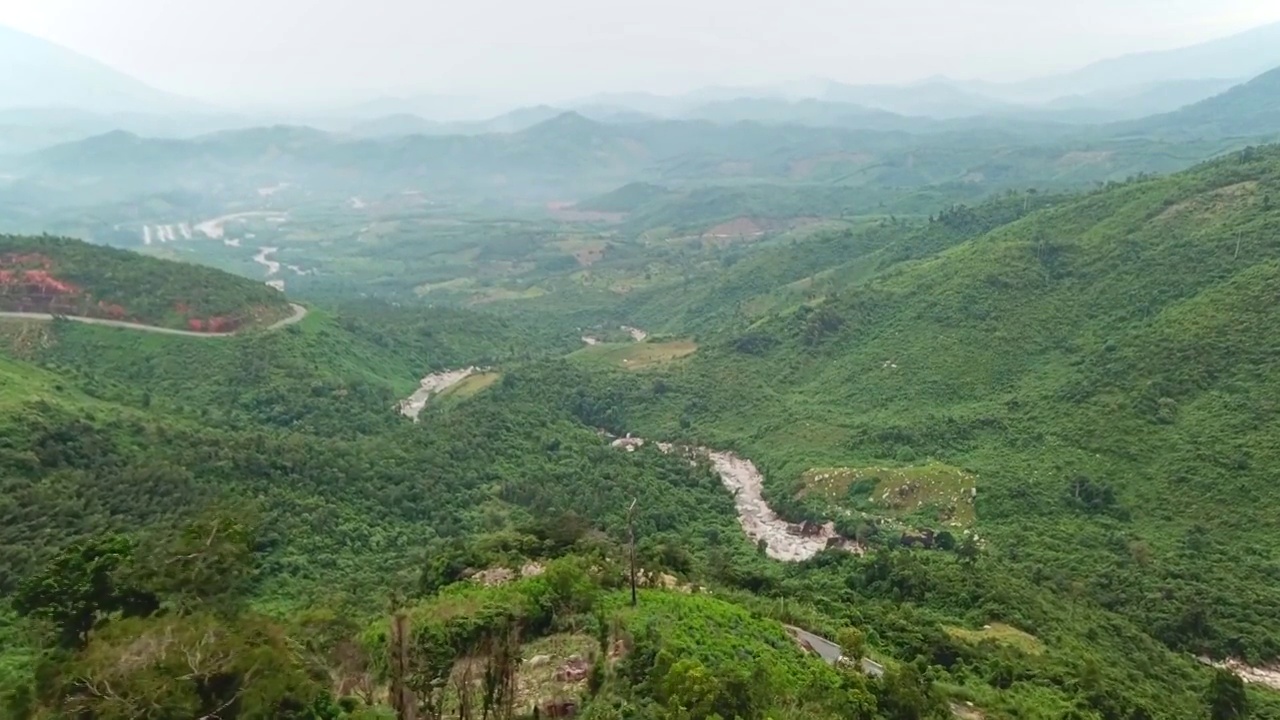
(631, 534)
(464, 688)
(502, 660)
(402, 700)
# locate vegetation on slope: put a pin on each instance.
(1101, 365)
(1097, 366)
(70, 277)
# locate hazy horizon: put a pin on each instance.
(238, 53)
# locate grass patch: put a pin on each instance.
(1000, 634)
(468, 387)
(456, 284)
(501, 294)
(636, 356)
(943, 492)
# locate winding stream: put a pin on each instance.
(272, 266)
(784, 541)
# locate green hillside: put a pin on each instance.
(624, 199)
(1102, 366)
(70, 277)
(1251, 109)
(1045, 420)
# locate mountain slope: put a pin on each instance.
(1241, 55)
(1248, 110)
(805, 112)
(69, 277)
(939, 99)
(46, 74)
(408, 124)
(1140, 101)
(572, 156)
(1100, 366)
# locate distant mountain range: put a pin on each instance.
(40, 74)
(60, 96)
(1250, 110)
(1237, 57)
(570, 155)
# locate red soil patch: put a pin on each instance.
(111, 311)
(35, 282)
(213, 325)
(28, 261)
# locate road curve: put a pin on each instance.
(299, 313)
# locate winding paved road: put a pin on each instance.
(299, 313)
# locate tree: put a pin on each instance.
(1226, 696)
(853, 642)
(80, 587)
(194, 666)
(907, 695)
(968, 550)
(691, 690)
(208, 563)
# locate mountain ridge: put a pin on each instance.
(55, 76)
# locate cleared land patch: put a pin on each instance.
(470, 386)
(1213, 201)
(637, 355)
(1000, 634)
(943, 492)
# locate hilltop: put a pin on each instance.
(62, 276)
(54, 76)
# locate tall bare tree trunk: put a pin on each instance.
(402, 699)
(631, 533)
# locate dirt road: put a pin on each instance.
(299, 313)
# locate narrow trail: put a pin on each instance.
(299, 312)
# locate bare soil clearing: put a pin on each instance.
(429, 387)
(1267, 676)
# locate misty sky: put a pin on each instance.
(253, 51)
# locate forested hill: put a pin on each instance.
(1248, 110)
(69, 277)
(1105, 366)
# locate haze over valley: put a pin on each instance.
(658, 362)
